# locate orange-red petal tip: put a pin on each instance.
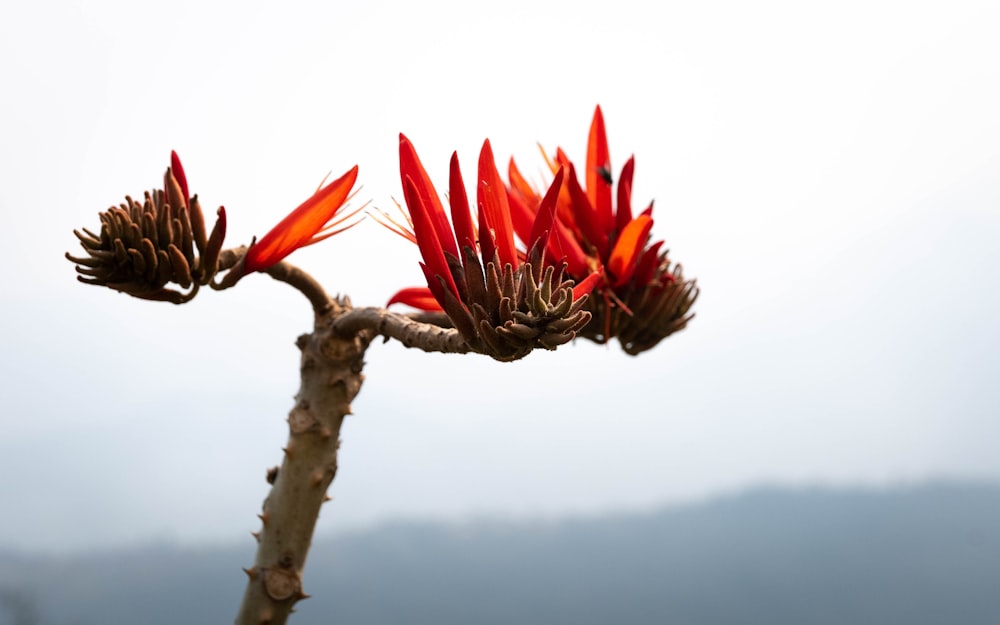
(417, 297)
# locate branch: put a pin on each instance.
(305, 283)
(410, 332)
(283, 271)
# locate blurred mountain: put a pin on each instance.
(926, 554)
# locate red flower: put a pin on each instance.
(593, 235)
(503, 300)
(640, 298)
(309, 223)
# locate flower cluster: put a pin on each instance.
(504, 301)
(589, 231)
(641, 297)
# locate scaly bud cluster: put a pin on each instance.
(508, 313)
(143, 247)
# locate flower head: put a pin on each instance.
(312, 222)
(641, 297)
(143, 247)
(504, 301)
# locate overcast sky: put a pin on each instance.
(829, 171)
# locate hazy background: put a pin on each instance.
(830, 175)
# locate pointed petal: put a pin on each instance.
(586, 285)
(564, 247)
(178, 171)
(623, 258)
(599, 172)
(427, 240)
(492, 197)
(624, 209)
(419, 297)
(521, 215)
(461, 217)
(410, 165)
(585, 216)
(561, 161)
(542, 227)
(299, 227)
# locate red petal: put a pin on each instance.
(585, 217)
(299, 227)
(523, 202)
(564, 247)
(623, 258)
(546, 214)
(586, 285)
(178, 171)
(624, 213)
(561, 161)
(521, 215)
(416, 296)
(410, 165)
(427, 240)
(465, 232)
(492, 197)
(599, 172)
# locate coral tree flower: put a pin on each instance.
(312, 222)
(144, 246)
(503, 300)
(641, 298)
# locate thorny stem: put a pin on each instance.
(332, 361)
(331, 378)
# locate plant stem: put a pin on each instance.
(330, 379)
(408, 331)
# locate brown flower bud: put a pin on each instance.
(143, 247)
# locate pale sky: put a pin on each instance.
(830, 173)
